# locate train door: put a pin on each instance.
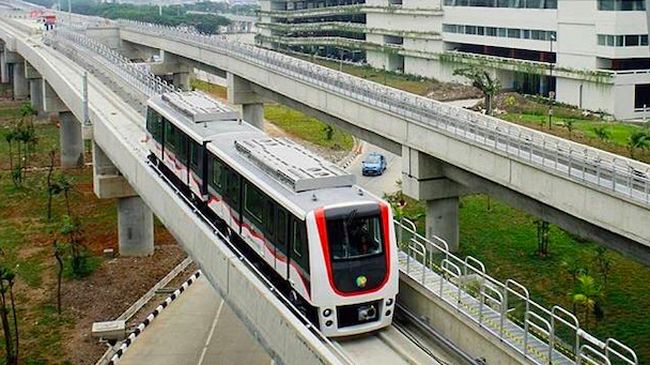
(281, 242)
(299, 262)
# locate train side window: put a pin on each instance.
(170, 136)
(281, 230)
(154, 124)
(377, 230)
(194, 157)
(300, 252)
(182, 146)
(254, 203)
(218, 175)
(298, 239)
(270, 217)
(232, 187)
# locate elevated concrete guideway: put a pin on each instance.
(449, 150)
(118, 130)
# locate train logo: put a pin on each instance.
(361, 281)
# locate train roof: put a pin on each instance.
(294, 176)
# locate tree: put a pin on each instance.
(71, 228)
(603, 134)
(543, 228)
(7, 307)
(66, 185)
(58, 255)
(52, 187)
(603, 262)
(586, 293)
(482, 80)
(637, 141)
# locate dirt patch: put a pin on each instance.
(111, 289)
(448, 91)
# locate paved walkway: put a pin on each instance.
(196, 329)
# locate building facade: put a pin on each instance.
(590, 53)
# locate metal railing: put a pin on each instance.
(133, 74)
(464, 284)
(590, 166)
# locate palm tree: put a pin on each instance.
(586, 293)
(637, 140)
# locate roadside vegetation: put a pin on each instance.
(54, 281)
(607, 291)
(293, 122)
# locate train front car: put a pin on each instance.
(356, 286)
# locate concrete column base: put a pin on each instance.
(254, 114)
(442, 220)
(135, 227)
(4, 68)
(36, 95)
(71, 139)
(20, 84)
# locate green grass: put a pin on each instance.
(216, 90)
(505, 240)
(306, 128)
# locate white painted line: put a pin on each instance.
(214, 325)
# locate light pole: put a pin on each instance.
(551, 94)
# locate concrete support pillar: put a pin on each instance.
(72, 146)
(36, 95)
(182, 80)
(254, 114)
(240, 91)
(135, 227)
(20, 84)
(442, 220)
(423, 179)
(4, 68)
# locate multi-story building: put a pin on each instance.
(590, 53)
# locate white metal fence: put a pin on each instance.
(587, 165)
(543, 336)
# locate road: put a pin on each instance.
(378, 185)
(198, 328)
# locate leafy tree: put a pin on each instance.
(603, 134)
(568, 124)
(482, 80)
(637, 141)
(543, 228)
(7, 307)
(66, 185)
(603, 262)
(52, 187)
(586, 293)
(71, 228)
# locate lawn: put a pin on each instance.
(505, 240)
(306, 128)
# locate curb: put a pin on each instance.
(147, 321)
(356, 151)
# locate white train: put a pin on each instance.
(330, 244)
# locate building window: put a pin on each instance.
(621, 5)
(516, 33)
(641, 96)
(520, 4)
(628, 40)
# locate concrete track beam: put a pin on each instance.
(51, 101)
(423, 179)
(108, 182)
(20, 83)
(135, 227)
(72, 145)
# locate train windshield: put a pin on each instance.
(353, 236)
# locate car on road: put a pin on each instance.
(373, 164)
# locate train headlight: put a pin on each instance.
(327, 312)
(389, 302)
(329, 323)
